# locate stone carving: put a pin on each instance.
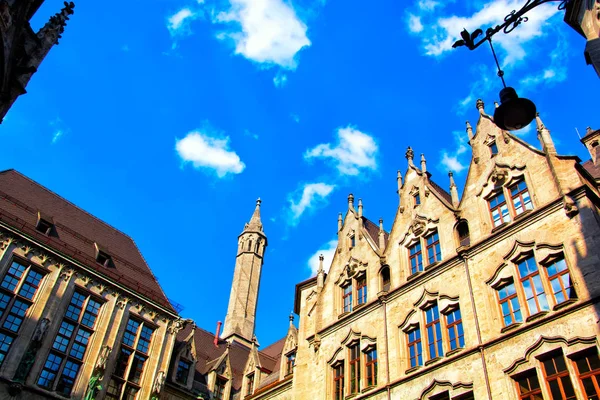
(29, 357)
(122, 302)
(66, 273)
(176, 325)
(159, 382)
(317, 343)
(417, 227)
(570, 206)
(94, 384)
(498, 176)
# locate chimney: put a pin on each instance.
(216, 342)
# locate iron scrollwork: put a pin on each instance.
(511, 21)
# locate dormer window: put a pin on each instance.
(352, 241)
(102, 257)
(417, 199)
(290, 363)
(249, 384)
(44, 224)
(183, 371)
(493, 149)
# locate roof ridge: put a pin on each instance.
(72, 204)
(374, 224)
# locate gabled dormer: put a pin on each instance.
(220, 377)
(252, 371)
(288, 354)
(184, 362)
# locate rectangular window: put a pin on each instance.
(70, 344)
(347, 297)
(183, 371)
(417, 198)
(361, 289)
(557, 377)
(520, 197)
(17, 291)
(560, 281)
(434, 332)
(290, 363)
(352, 241)
(132, 358)
(509, 303)
(338, 381)
(249, 384)
(415, 258)
(456, 335)
(371, 366)
(434, 252)
(588, 371)
(220, 385)
(528, 386)
(532, 286)
(354, 369)
(414, 347)
(493, 149)
(499, 209)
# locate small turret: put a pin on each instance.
(410, 154)
(469, 131)
(399, 183)
(351, 202)
(340, 222)
(423, 164)
(381, 235)
(320, 273)
(453, 190)
(480, 106)
(544, 136)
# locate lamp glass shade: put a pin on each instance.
(514, 112)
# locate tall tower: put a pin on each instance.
(241, 313)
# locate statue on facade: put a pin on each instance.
(29, 356)
(95, 383)
(159, 382)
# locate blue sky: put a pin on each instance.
(167, 119)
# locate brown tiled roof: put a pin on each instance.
(75, 233)
(591, 132)
(373, 230)
(594, 170)
(274, 350)
(445, 195)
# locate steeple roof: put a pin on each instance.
(255, 223)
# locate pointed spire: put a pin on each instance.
(351, 202)
(544, 136)
(399, 182)
(320, 273)
(410, 154)
(255, 223)
(453, 190)
(469, 130)
(54, 28)
(340, 222)
(423, 163)
(480, 106)
(360, 208)
(381, 235)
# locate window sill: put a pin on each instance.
(499, 227)
(536, 316)
(414, 276)
(343, 314)
(352, 395)
(432, 361)
(511, 327)
(359, 306)
(454, 351)
(564, 304)
(413, 369)
(433, 264)
(523, 214)
(368, 388)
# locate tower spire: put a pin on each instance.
(255, 223)
(544, 136)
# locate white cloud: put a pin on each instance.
(328, 251)
(556, 71)
(451, 159)
(480, 87)
(354, 151)
(178, 23)
(440, 34)
(414, 23)
(313, 194)
(211, 153)
(59, 129)
(280, 79)
(265, 31)
(428, 5)
(295, 117)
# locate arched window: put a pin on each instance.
(385, 279)
(462, 229)
(249, 245)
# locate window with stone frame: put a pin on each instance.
(560, 280)
(354, 368)
(415, 352)
(290, 363)
(250, 384)
(493, 149)
(557, 377)
(220, 385)
(338, 381)
(70, 344)
(441, 396)
(417, 199)
(385, 279)
(588, 372)
(434, 251)
(131, 359)
(499, 209)
(454, 327)
(415, 258)
(347, 297)
(361, 289)
(528, 386)
(352, 241)
(509, 304)
(17, 293)
(183, 371)
(371, 366)
(533, 288)
(434, 332)
(519, 194)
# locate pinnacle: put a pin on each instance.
(255, 222)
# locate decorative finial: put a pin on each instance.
(291, 318)
(360, 208)
(469, 130)
(480, 106)
(423, 163)
(55, 27)
(399, 181)
(544, 136)
(453, 190)
(381, 235)
(588, 130)
(380, 224)
(351, 201)
(258, 201)
(410, 154)
(451, 175)
(340, 222)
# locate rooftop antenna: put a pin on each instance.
(576, 130)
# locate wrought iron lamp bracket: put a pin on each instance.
(511, 21)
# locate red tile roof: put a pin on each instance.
(76, 231)
(445, 195)
(373, 230)
(594, 170)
